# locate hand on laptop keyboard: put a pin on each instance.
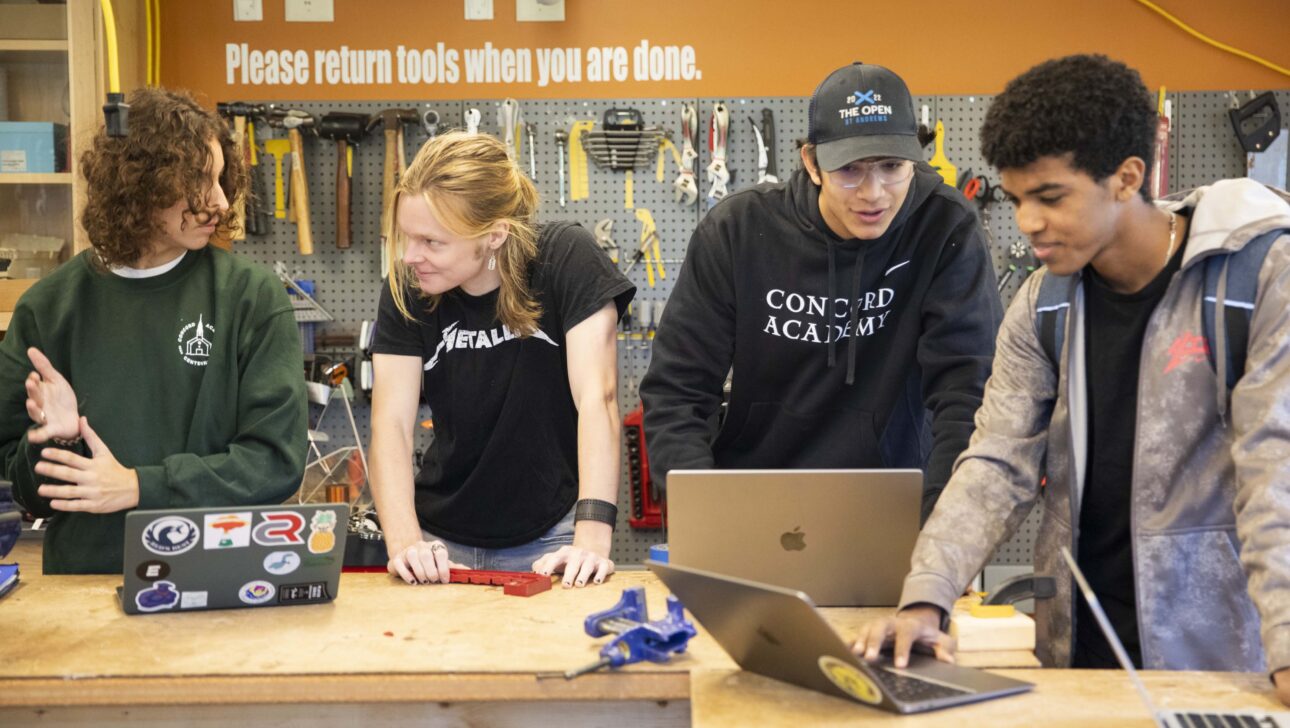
(912, 626)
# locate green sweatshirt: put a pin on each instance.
(192, 377)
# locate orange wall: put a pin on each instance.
(753, 47)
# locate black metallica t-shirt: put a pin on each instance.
(1115, 326)
(503, 467)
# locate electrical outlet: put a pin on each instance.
(479, 9)
(539, 10)
(248, 10)
(310, 11)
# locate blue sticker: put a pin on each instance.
(170, 535)
(256, 592)
(161, 595)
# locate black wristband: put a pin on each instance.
(594, 509)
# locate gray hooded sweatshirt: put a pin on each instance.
(1210, 501)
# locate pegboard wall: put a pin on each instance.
(348, 282)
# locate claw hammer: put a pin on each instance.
(392, 120)
(238, 112)
(293, 120)
(346, 129)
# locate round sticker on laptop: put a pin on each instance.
(850, 680)
(256, 592)
(281, 563)
(170, 535)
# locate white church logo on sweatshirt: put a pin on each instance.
(194, 347)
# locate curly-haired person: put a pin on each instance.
(1161, 425)
(152, 370)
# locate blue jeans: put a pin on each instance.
(514, 558)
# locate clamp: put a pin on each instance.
(718, 173)
(636, 638)
(685, 188)
(430, 122)
(1021, 588)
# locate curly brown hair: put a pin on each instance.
(164, 159)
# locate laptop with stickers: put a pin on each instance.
(779, 633)
(189, 559)
(1169, 718)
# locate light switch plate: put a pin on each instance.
(551, 11)
(310, 11)
(479, 9)
(248, 10)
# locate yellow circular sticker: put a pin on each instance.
(850, 680)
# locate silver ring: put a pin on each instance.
(438, 546)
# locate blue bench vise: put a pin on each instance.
(636, 638)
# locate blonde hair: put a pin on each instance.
(471, 185)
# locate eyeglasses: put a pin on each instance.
(887, 171)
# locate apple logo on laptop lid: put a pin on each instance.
(794, 540)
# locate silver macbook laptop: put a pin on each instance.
(778, 633)
(842, 536)
(187, 559)
(1170, 718)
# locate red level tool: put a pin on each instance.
(514, 583)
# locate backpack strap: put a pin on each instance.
(1232, 278)
(1051, 306)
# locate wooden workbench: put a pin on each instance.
(386, 652)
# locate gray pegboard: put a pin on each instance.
(348, 281)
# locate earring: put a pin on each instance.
(492, 262)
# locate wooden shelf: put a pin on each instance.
(24, 178)
(39, 46)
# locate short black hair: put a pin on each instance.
(1089, 106)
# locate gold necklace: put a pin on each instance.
(1173, 236)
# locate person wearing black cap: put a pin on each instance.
(856, 303)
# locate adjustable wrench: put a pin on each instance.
(765, 147)
(561, 140)
(529, 130)
(718, 173)
(604, 238)
(685, 188)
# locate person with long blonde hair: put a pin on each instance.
(508, 330)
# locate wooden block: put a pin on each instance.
(992, 634)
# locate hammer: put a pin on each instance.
(239, 111)
(346, 129)
(293, 120)
(393, 121)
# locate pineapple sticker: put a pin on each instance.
(322, 536)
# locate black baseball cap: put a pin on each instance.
(861, 111)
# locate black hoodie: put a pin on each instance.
(765, 286)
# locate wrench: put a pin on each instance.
(718, 173)
(685, 188)
(529, 129)
(561, 140)
(604, 238)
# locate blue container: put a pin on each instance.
(28, 147)
(658, 552)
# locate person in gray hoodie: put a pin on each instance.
(1171, 489)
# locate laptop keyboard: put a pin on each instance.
(915, 690)
(1214, 720)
